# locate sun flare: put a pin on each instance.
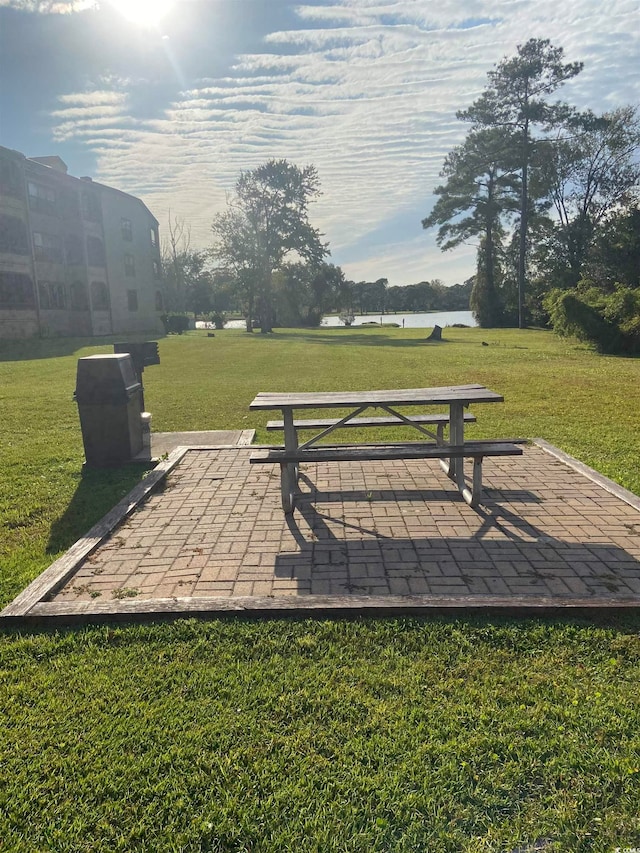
(144, 13)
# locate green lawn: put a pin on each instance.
(389, 735)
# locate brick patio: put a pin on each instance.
(216, 530)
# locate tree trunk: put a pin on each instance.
(266, 308)
(249, 317)
(524, 211)
(490, 261)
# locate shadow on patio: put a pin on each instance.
(507, 556)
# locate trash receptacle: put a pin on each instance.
(143, 354)
(109, 397)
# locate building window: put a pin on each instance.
(73, 249)
(127, 230)
(159, 301)
(129, 265)
(16, 290)
(99, 296)
(78, 296)
(58, 295)
(132, 300)
(154, 237)
(13, 235)
(47, 248)
(10, 183)
(52, 295)
(91, 210)
(68, 206)
(41, 198)
(156, 268)
(95, 252)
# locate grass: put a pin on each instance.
(388, 735)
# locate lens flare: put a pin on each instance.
(144, 13)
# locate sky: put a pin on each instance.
(170, 100)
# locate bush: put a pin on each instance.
(218, 319)
(610, 321)
(175, 324)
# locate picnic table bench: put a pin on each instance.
(451, 452)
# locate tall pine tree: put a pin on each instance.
(516, 100)
(480, 190)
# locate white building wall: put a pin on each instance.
(110, 283)
(18, 311)
(133, 281)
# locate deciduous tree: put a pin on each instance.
(267, 221)
(188, 283)
(594, 170)
(305, 292)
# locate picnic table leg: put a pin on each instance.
(473, 496)
(455, 468)
(289, 472)
(287, 487)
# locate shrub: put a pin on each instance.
(175, 324)
(610, 321)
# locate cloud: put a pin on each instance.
(367, 91)
(94, 98)
(50, 7)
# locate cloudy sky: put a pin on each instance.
(170, 99)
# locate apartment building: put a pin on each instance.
(77, 258)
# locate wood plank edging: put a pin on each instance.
(315, 605)
(59, 571)
(590, 473)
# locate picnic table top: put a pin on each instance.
(445, 395)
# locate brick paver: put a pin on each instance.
(393, 528)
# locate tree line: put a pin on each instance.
(549, 195)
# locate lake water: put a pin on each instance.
(411, 321)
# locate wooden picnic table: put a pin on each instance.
(451, 450)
